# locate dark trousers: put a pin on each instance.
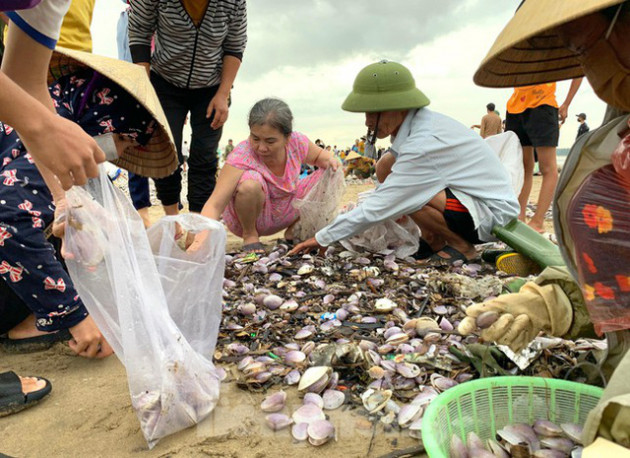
(139, 191)
(202, 163)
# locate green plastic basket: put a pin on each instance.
(488, 404)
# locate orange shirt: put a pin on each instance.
(531, 97)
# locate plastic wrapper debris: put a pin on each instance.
(158, 306)
(320, 205)
(508, 148)
(399, 237)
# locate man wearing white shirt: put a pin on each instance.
(445, 177)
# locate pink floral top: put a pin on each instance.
(243, 157)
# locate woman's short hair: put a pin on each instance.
(272, 112)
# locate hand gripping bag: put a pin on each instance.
(158, 306)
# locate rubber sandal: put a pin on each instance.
(288, 242)
(455, 255)
(518, 264)
(33, 344)
(13, 399)
(424, 251)
(256, 248)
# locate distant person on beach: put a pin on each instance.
(260, 180)
(440, 173)
(228, 149)
(533, 114)
(583, 126)
(359, 166)
(199, 46)
(490, 124)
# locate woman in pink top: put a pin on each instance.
(261, 178)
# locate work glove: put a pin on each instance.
(522, 316)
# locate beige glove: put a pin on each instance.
(523, 315)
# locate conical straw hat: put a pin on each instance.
(156, 159)
(529, 51)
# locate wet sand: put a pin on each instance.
(89, 414)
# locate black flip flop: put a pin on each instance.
(424, 251)
(455, 255)
(33, 344)
(13, 399)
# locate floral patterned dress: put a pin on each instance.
(278, 212)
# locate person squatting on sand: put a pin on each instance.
(261, 177)
(440, 173)
(592, 204)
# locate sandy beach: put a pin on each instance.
(89, 413)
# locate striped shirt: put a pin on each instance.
(186, 55)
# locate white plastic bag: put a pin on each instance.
(160, 309)
(508, 148)
(320, 205)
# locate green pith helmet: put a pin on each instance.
(384, 86)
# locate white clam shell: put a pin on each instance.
(272, 301)
(384, 305)
(274, 402)
(320, 432)
(375, 400)
(277, 421)
(305, 269)
(295, 357)
(314, 376)
(292, 378)
(408, 414)
(289, 306)
(333, 399)
(313, 398)
(308, 413)
(299, 431)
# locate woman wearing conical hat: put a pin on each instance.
(550, 41)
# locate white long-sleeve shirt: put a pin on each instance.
(434, 152)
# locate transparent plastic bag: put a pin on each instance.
(599, 223)
(158, 306)
(320, 205)
(401, 238)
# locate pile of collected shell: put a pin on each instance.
(381, 331)
(309, 421)
(542, 440)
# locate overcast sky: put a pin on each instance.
(308, 53)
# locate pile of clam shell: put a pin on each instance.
(543, 439)
(308, 422)
(380, 331)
